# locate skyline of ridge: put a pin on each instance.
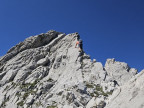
(109, 29)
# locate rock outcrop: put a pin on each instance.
(43, 72)
(130, 95)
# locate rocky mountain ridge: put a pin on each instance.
(42, 72)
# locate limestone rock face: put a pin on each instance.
(120, 71)
(47, 71)
(130, 95)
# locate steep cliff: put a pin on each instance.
(42, 72)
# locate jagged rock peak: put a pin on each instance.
(47, 71)
(34, 42)
(31, 42)
(130, 95)
(120, 71)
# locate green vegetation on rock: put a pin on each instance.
(21, 103)
(51, 106)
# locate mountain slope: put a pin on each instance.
(42, 72)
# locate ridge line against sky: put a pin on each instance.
(109, 28)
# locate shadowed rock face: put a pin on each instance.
(42, 72)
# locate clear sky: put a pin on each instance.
(109, 28)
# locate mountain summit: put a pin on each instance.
(47, 71)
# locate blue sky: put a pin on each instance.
(109, 28)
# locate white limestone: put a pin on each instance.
(42, 72)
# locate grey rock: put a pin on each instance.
(56, 65)
(39, 93)
(42, 71)
(133, 71)
(102, 75)
(48, 86)
(94, 60)
(31, 42)
(98, 102)
(130, 95)
(118, 71)
(59, 59)
(70, 97)
(30, 100)
(82, 88)
(2, 75)
(92, 103)
(43, 61)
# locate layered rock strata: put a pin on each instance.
(42, 72)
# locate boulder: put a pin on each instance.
(118, 71)
(30, 100)
(92, 103)
(43, 61)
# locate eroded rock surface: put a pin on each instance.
(42, 72)
(130, 95)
